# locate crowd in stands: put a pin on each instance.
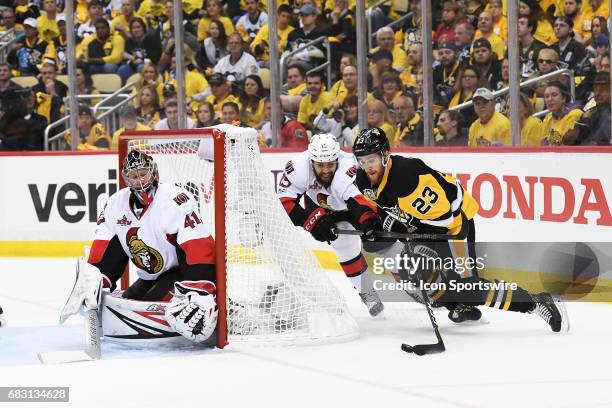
(227, 77)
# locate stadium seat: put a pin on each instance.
(25, 81)
(133, 78)
(106, 83)
(264, 74)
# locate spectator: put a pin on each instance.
(491, 128)
(472, 11)
(307, 32)
(602, 46)
(321, 22)
(385, 38)
(378, 116)
(531, 127)
(469, 80)
(292, 133)
(123, 21)
(196, 86)
(408, 123)
(415, 64)
(149, 76)
(6, 84)
(206, 115)
(345, 60)
(60, 43)
(571, 9)
(140, 47)
(31, 50)
(315, 101)
(102, 51)
(24, 10)
(485, 30)
(238, 64)
(451, 15)
(92, 135)
(570, 51)
(230, 114)
(559, 125)
(295, 88)
(412, 26)
(487, 63)
(260, 47)
(390, 89)
(500, 23)
(171, 121)
(585, 23)
(598, 26)
(129, 121)
(252, 102)
(529, 46)
(9, 22)
(221, 94)
(214, 47)
(251, 22)
(343, 35)
(445, 74)
(464, 36)
(51, 91)
(85, 84)
(604, 63)
(544, 31)
(346, 86)
(147, 111)
(94, 13)
(547, 63)
(47, 24)
(596, 121)
(214, 10)
(21, 128)
(153, 11)
(450, 132)
(382, 62)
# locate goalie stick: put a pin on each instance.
(84, 298)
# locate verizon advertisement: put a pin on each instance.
(524, 196)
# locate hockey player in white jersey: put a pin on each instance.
(325, 176)
(158, 228)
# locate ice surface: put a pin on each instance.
(516, 361)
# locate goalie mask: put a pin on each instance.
(140, 173)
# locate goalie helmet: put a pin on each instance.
(323, 148)
(139, 172)
(370, 141)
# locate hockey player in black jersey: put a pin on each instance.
(414, 198)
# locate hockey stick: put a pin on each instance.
(422, 349)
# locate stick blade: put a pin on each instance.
(60, 357)
(423, 349)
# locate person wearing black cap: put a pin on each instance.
(486, 61)
(570, 51)
(92, 135)
(304, 34)
(129, 121)
(221, 92)
(595, 123)
(445, 74)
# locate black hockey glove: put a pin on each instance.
(321, 226)
(369, 228)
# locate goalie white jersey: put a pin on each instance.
(167, 233)
(299, 178)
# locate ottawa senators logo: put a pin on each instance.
(146, 258)
(322, 201)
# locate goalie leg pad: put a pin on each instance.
(193, 311)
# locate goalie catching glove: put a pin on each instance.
(193, 310)
(321, 226)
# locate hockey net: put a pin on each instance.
(271, 288)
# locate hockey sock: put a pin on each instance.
(503, 297)
(354, 270)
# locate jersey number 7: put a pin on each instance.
(423, 204)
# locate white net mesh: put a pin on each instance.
(277, 291)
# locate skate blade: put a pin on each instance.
(565, 324)
(480, 322)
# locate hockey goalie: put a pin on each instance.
(157, 227)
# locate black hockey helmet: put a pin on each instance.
(370, 141)
(143, 187)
